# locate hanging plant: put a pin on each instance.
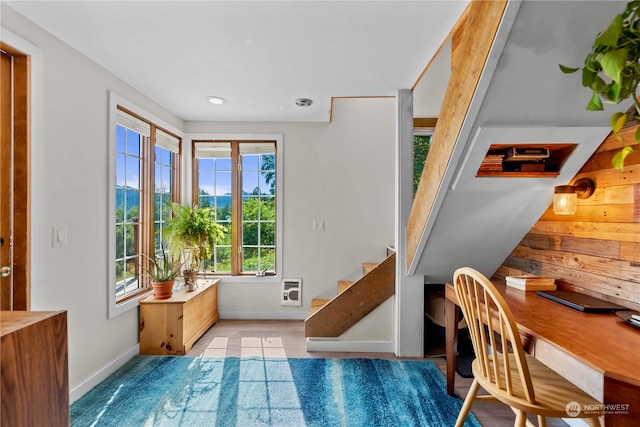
(612, 71)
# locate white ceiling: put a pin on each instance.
(258, 55)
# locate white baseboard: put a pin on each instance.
(315, 344)
(264, 315)
(99, 376)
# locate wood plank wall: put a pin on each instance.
(597, 250)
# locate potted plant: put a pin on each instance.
(612, 71)
(193, 232)
(163, 272)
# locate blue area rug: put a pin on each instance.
(186, 391)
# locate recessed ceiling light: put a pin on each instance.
(304, 102)
(216, 100)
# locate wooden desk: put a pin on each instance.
(171, 326)
(597, 352)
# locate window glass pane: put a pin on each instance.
(222, 185)
(223, 259)
(250, 233)
(250, 182)
(120, 277)
(206, 201)
(133, 143)
(205, 164)
(120, 242)
(132, 172)
(226, 240)
(120, 164)
(223, 164)
(223, 205)
(250, 208)
(249, 259)
(131, 204)
(267, 234)
(121, 134)
(421, 145)
(250, 162)
(267, 208)
(268, 259)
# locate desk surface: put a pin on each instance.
(601, 341)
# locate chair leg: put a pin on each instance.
(521, 419)
(542, 421)
(468, 401)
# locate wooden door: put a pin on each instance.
(14, 180)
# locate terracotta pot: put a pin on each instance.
(163, 290)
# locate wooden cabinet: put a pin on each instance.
(34, 367)
(171, 326)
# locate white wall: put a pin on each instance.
(71, 185)
(342, 172)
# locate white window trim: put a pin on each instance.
(187, 194)
(114, 309)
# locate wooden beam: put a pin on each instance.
(425, 122)
(483, 20)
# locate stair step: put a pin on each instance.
(317, 304)
(344, 284)
(368, 266)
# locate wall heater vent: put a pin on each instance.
(291, 292)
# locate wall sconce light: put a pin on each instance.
(565, 197)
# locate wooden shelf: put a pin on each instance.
(558, 154)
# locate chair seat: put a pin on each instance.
(553, 393)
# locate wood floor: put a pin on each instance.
(284, 338)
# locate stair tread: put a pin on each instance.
(318, 303)
(344, 284)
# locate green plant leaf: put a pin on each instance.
(613, 62)
(618, 120)
(596, 103)
(587, 77)
(618, 159)
(568, 70)
(637, 135)
(610, 36)
(613, 93)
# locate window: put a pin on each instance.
(145, 175)
(239, 180)
(421, 143)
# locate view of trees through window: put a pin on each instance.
(255, 197)
(140, 165)
(421, 145)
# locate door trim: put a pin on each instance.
(21, 178)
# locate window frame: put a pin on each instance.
(192, 191)
(118, 305)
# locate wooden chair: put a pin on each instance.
(503, 369)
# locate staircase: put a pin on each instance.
(355, 300)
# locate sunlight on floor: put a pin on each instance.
(271, 348)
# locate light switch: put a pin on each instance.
(59, 236)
